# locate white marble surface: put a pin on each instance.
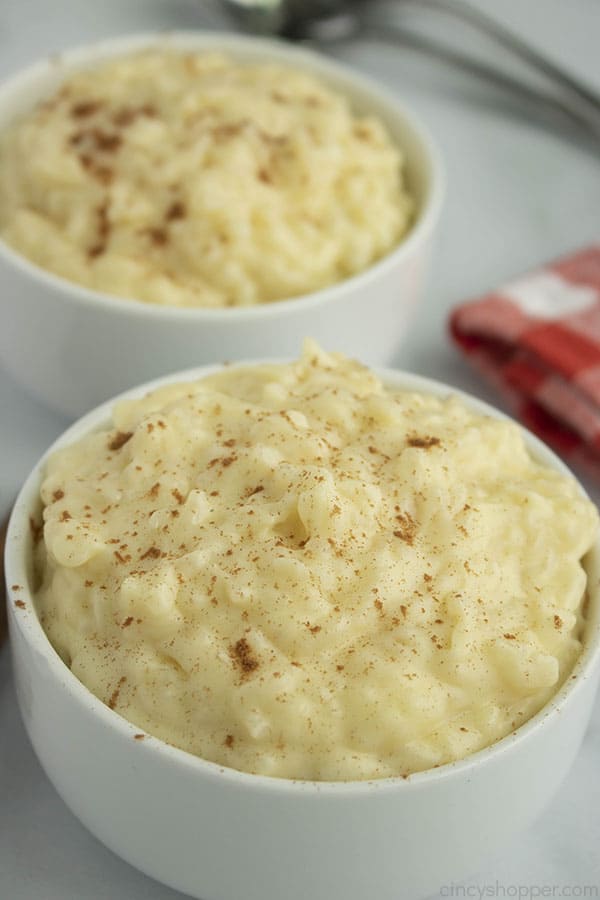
(518, 194)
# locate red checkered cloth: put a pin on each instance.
(537, 340)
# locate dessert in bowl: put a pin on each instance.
(291, 599)
(197, 198)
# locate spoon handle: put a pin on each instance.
(511, 41)
(581, 117)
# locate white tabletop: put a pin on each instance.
(518, 194)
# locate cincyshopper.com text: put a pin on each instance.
(518, 891)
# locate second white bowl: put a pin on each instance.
(72, 347)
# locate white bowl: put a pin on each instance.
(73, 347)
(220, 834)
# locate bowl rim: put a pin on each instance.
(26, 620)
(85, 56)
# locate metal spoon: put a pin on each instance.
(327, 21)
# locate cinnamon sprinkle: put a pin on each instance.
(151, 553)
(176, 210)
(120, 439)
(85, 108)
(158, 236)
(424, 442)
(114, 697)
(407, 530)
(36, 530)
(241, 654)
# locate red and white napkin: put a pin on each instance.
(537, 339)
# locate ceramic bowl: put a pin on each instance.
(219, 834)
(73, 347)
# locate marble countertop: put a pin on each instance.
(519, 192)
